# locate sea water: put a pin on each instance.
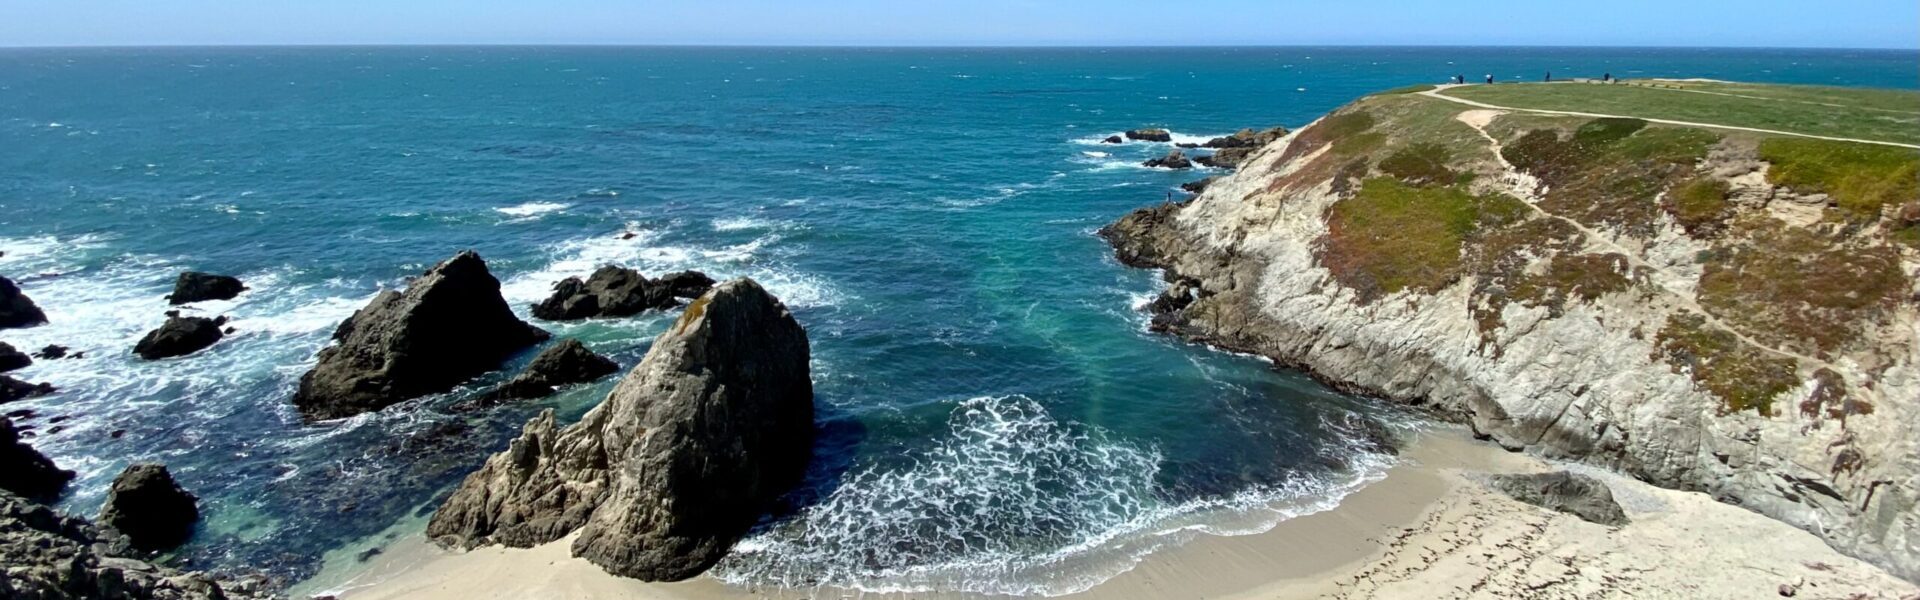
(994, 415)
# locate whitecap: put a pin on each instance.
(530, 209)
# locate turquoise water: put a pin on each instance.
(995, 416)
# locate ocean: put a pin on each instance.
(994, 415)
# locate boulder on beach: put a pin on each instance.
(1173, 160)
(1150, 135)
(449, 325)
(25, 471)
(14, 389)
(16, 309)
(11, 358)
(690, 449)
(180, 336)
(565, 363)
(147, 505)
(1578, 495)
(194, 286)
(614, 291)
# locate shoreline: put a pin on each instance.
(1428, 525)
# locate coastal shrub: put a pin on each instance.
(1583, 276)
(1741, 376)
(1421, 164)
(1700, 205)
(1390, 236)
(1333, 128)
(1499, 256)
(1793, 288)
(1860, 178)
(1608, 171)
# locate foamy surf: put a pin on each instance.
(531, 209)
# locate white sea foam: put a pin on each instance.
(1011, 502)
(645, 252)
(530, 209)
(741, 223)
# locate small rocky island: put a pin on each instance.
(686, 453)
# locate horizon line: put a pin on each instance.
(918, 46)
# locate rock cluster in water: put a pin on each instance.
(565, 363)
(16, 309)
(613, 291)
(680, 460)
(1150, 135)
(194, 286)
(449, 325)
(1173, 160)
(14, 389)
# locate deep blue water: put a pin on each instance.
(995, 415)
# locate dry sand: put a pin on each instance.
(1430, 529)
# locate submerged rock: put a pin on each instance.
(11, 358)
(152, 509)
(1173, 160)
(194, 286)
(14, 389)
(1150, 135)
(180, 336)
(16, 309)
(50, 556)
(25, 471)
(614, 291)
(1577, 495)
(446, 327)
(679, 461)
(565, 363)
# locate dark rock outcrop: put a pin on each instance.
(1113, 139)
(1577, 495)
(1173, 160)
(614, 291)
(13, 389)
(55, 352)
(1247, 138)
(1198, 187)
(180, 336)
(194, 286)
(565, 363)
(446, 327)
(50, 556)
(16, 309)
(25, 471)
(1228, 158)
(150, 508)
(686, 453)
(1150, 135)
(11, 358)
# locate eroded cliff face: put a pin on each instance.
(1719, 311)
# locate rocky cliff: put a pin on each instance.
(1709, 309)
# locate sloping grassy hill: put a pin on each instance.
(1870, 114)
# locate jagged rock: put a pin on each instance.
(1577, 495)
(50, 556)
(1150, 135)
(1247, 138)
(565, 363)
(180, 336)
(1227, 158)
(1177, 297)
(193, 286)
(53, 352)
(685, 454)
(446, 327)
(11, 359)
(16, 309)
(25, 471)
(687, 284)
(1198, 187)
(1173, 160)
(13, 389)
(1113, 139)
(611, 291)
(147, 505)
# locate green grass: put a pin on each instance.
(1861, 114)
(1390, 236)
(1700, 205)
(1861, 178)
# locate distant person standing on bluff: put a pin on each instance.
(1549, 76)
(1489, 79)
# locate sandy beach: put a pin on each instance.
(1429, 529)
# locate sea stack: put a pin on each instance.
(680, 460)
(449, 325)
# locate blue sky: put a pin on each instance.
(1804, 23)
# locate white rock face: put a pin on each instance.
(1584, 384)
